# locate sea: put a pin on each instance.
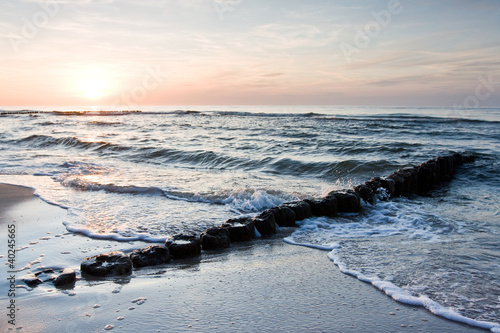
(147, 174)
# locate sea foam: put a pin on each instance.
(401, 296)
(396, 292)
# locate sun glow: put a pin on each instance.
(94, 82)
(93, 87)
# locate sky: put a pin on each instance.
(244, 52)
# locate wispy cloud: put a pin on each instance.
(281, 51)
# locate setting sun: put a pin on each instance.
(93, 87)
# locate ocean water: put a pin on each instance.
(151, 174)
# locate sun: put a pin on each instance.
(94, 84)
(93, 88)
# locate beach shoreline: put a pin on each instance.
(265, 285)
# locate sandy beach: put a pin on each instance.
(260, 286)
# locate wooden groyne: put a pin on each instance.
(71, 113)
(406, 181)
(20, 112)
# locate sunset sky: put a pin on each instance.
(232, 52)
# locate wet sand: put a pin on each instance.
(261, 286)
(10, 196)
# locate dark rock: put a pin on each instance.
(428, 176)
(215, 238)
(425, 178)
(107, 264)
(468, 158)
(46, 275)
(389, 185)
(378, 183)
(150, 256)
(307, 209)
(398, 183)
(184, 246)
(283, 216)
(459, 160)
(445, 167)
(323, 207)
(402, 182)
(288, 216)
(374, 184)
(454, 164)
(434, 165)
(265, 223)
(31, 280)
(331, 206)
(347, 201)
(408, 181)
(420, 179)
(316, 207)
(277, 215)
(365, 192)
(448, 166)
(301, 209)
(67, 276)
(240, 229)
(414, 181)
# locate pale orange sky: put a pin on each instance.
(173, 52)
